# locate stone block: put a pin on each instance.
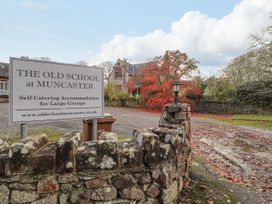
(181, 166)
(130, 154)
(63, 198)
(52, 199)
(10, 179)
(66, 150)
(186, 125)
(47, 184)
(154, 190)
(124, 181)
(29, 144)
(116, 201)
(180, 183)
(165, 134)
(4, 143)
(149, 201)
(19, 152)
(4, 194)
(171, 136)
(104, 194)
(96, 183)
(157, 152)
(188, 162)
(23, 186)
(4, 163)
(23, 196)
(154, 151)
(80, 195)
(108, 136)
(170, 195)
(168, 174)
(141, 136)
(132, 193)
(29, 179)
(67, 178)
(155, 172)
(97, 155)
(43, 161)
(143, 178)
(66, 188)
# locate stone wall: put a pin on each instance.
(228, 108)
(152, 167)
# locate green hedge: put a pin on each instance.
(257, 93)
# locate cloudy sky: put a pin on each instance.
(211, 31)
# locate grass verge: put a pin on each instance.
(52, 133)
(257, 121)
(206, 188)
(124, 137)
(252, 117)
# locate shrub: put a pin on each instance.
(114, 95)
(257, 93)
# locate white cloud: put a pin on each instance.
(43, 6)
(212, 41)
(35, 5)
(27, 4)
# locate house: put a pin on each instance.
(4, 78)
(123, 72)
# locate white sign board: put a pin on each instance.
(46, 91)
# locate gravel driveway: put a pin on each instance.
(127, 120)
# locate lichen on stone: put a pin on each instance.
(107, 162)
(69, 165)
(130, 151)
(91, 160)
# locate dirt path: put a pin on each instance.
(239, 154)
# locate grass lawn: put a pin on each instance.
(252, 117)
(259, 121)
(52, 133)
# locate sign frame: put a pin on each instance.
(11, 97)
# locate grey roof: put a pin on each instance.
(4, 69)
(134, 68)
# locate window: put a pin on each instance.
(6, 87)
(1, 85)
(118, 75)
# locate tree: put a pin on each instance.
(248, 67)
(254, 65)
(201, 82)
(171, 66)
(244, 69)
(158, 76)
(262, 45)
(218, 89)
(108, 70)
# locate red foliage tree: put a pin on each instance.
(158, 79)
(157, 95)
